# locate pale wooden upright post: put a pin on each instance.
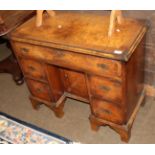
(39, 17)
(116, 16)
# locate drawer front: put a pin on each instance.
(108, 111)
(39, 90)
(33, 69)
(103, 88)
(72, 60)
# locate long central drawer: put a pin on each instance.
(71, 60)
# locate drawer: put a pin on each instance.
(33, 69)
(103, 88)
(39, 90)
(108, 111)
(71, 60)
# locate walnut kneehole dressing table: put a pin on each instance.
(71, 55)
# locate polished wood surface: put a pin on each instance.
(115, 17)
(86, 33)
(39, 90)
(113, 87)
(112, 90)
(33, 69)
(108, 111)
(74, 83)
(134, 73)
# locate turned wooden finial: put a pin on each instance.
(116, 16)
(39, 17)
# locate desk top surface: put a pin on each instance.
(84, 33)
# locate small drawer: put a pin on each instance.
(103, 88)
(39, 90)
(33, 69)
(28, 50)
(71, 60)
(108, 111)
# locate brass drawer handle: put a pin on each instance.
(24, 50)
(106, 111)
(102, 66)
(39, 90)
(59, 53)
(31, 68)
(104, 88)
